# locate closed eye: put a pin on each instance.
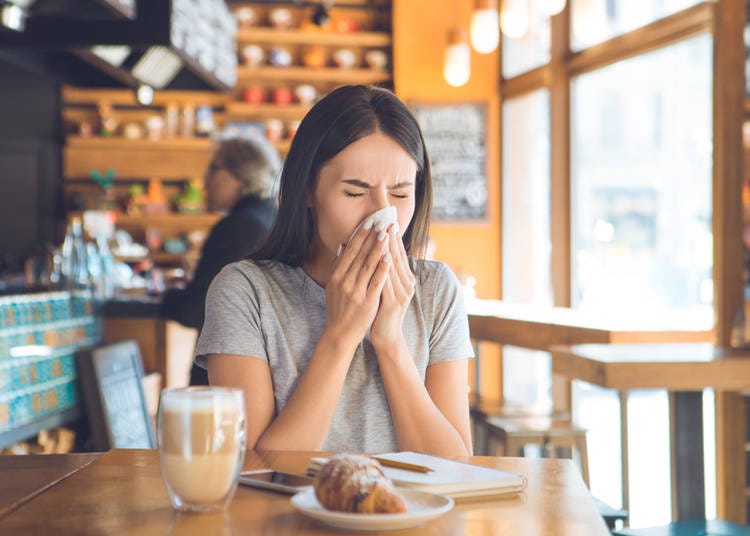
(352, 194)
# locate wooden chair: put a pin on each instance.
(507, 436)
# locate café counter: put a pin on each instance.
(166, 346)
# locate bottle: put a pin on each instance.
(107, 261)
(74, 268)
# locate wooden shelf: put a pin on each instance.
(303, 37)
(101, 142)
(178, 158)
(306, 74)
(242, 110)
(172, 221)
(126, 97)
(158, 257)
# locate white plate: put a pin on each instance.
(421, 507)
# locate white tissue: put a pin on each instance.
(383, 218)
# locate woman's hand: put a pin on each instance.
(354, 289)
(387, 329)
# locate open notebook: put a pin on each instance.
(448, 477)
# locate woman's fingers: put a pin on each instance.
(380, 278)
(371, 257)
(349, 251)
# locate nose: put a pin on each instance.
(380, 199)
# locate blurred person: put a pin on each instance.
(240, 183)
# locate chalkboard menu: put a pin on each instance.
(111, 383)
(455, 138)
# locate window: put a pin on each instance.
(641, 193)
(594, 21)
(532, 50)
(526, 199)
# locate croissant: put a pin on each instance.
(354, 483)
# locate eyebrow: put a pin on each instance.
(362, 184)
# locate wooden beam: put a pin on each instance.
(527, 82)
(729, 100)
(560, 180)
(691, 21)
(728, 108)
(731, 418)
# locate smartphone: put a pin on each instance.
(276, 481)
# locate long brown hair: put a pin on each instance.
(336, 121)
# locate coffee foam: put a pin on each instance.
(199, 402)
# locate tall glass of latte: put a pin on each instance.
(201, 433)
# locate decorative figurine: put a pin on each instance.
(191, 200)
(107, 119)
(274, 129)
(253, 56)
(281, 18)
(376, 59)
(254, 95)
(246, 17)
(282, 96)
(280, 57)
(106, 200)
(314, 57)
(344, 58)
(305, 93)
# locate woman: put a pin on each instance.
(239, 182)
(355, 346)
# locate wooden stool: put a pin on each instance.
(693, 527)
(481, 410)
(550, 433)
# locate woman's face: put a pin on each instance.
(372, 173)
(222, 189)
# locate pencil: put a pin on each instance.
(402, 465)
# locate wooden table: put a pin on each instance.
(684, 370)
(24, 477)
(538, 328)
(122, 492)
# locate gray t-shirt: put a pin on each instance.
(277, 313)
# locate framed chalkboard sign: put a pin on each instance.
(110, 379)
(456, 135)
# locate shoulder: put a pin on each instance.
(434, 275)
(256, 275)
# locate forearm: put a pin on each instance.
(305, 420)
(419, 423)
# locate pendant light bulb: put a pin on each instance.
(552, 7)
(457, 66)
(485, 27)
(514, 18)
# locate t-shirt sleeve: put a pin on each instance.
(232, 320)
(450, 338)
